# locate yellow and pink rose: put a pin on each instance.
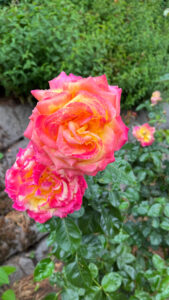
(76, 124)
(42, 190)
(155, 98)
(144, 134)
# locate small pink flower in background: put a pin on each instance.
(144, 134)
(42, 190)
(155, 98)
(76, 124)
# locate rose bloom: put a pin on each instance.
(155, 98)
(76, 123)
(41, 190)
(144, 134)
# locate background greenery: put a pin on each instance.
(127, 40)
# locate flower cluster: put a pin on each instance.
(74, 130)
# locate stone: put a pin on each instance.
(17, 233)
(9, 158)
(13, 122)
(24, 266)
(41, 250)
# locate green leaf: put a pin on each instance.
(155, 238)
(143, 208)
(161, 200)
(130, 271)
(44, 269)
(70, 294)
(164, 283)
(79, 213)
(155, 222)
(51, 296)
(121, 237)
(142, 295)
(153, 278)
(155, 210)
(124, 205)
(120, 172)
(94, 293)
(131, 194)
(111, 282)
(93, 270)
(158, 262)
(68, 235)
(165, 293)
(141, 175)
(166, 210)
(165, 224)
(1, 155)
(8, 295)
(114, 198)
(3, 277)
(78, 273)
(9, 269)
(144, 157)
(156, 160)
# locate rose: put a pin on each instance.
(76, 124)
(144, 134)
(41, 190)
(155, 98)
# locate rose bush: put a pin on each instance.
(42, 190)
(116, 246)
(76, 124)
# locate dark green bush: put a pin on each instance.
(127, 40)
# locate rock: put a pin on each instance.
(17, 233)
(26, 265)
(5, 204)
(13, 122)
(41, 250)
(18, 274)
(9, 158)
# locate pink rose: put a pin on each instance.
(41, 190)
(76, 124)
(155, 98)
(144, 134)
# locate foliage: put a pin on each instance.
(5, 2)
(5, 271)
(127, 40)
(116, 246)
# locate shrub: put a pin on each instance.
(116, 246)
(127, 40)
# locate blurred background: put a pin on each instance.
(128, 40)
